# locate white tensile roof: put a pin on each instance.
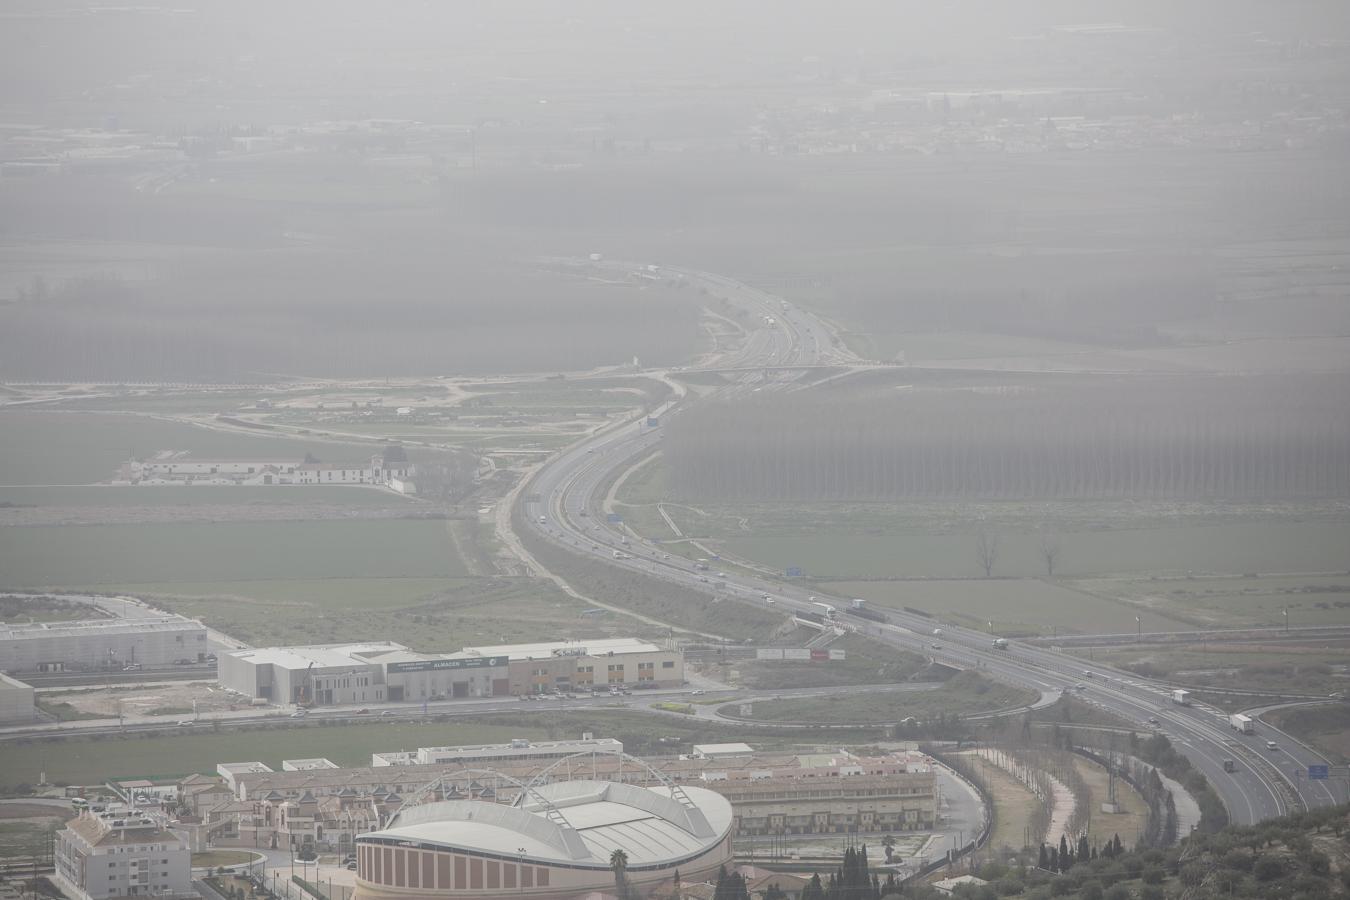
(579, 823)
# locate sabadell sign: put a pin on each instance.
(430, 665)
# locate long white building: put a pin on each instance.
(101, 644)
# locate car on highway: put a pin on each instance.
(698, 692)
(131, 667)
(1271, 745)
(299, 714)
(935, 645)
(363, 712)
(186, 723)
(1080, 686)
(386, 714)
(1154, 721)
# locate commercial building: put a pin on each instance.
(16, 701)
(554, 842)
(517, 751)
(562, 666)
(350, 674)
(390, 469)
(121, 854)
(385, 672)
(101, 644)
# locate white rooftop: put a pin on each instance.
(307, 765)
(81, 627)
(712, 751)
(323, 656)
(592, 819)
(597, 647)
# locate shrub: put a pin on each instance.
(1153, 876)
(1268, 868)
(1117, 892)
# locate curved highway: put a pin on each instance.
(566, 508)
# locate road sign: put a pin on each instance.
(794, 572)
(652, 421)
(1318, 773)
(614, 518)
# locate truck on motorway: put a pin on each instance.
(1242, 724)
(1000, 643)
(1229, 765)
(1181, 698)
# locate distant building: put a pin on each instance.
(385, 672)
(389, 469)
(519, 750)
(16, 701)
(721, 751)
(348, 674)
(555, 842)
(563, 666)
(101, 644)
(121, 854)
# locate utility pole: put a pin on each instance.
(1139, 630)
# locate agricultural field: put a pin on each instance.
(48, 447)
(27, 829)
(1235, 601)
(425, 614)
(1015, 606)
(205, 553)
(965, 694)
(1312, 668)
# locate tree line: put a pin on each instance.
(1260, 437)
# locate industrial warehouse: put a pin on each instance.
(101, 644)
(385, 672)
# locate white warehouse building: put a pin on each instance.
(100, 644)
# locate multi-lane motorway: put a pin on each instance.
(566, 506)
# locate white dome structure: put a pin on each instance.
(556, 841)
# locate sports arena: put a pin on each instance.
(555, 840)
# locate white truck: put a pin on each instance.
(1181, 698)
(1242, 724)
(1000, 643)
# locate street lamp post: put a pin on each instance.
(1286, 620)
(1138, 630)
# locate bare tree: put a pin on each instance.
(986, 547)
(1049, 550)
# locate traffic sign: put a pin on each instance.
(1318, 773)
(794, 572)
(614, 518)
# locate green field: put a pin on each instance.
(50, 556)
(965, 694)
(1015, 606)
(47, 447)
(1235, 547)
(426, 614)
(183, 495)
(1234, 601)
(1316, 668)
(83, 761)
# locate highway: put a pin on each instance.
(564, 503)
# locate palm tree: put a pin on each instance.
(618, 864)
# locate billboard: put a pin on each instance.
(434, 665)
(796, 654)
(820, 655)
(769, 653)
(837, 654)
